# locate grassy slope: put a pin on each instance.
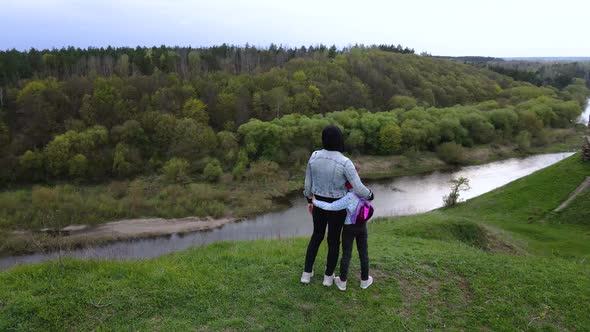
(427, 277)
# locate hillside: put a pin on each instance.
(101, 114)
(492, 263)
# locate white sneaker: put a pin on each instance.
(340, 284)
(366, 283)
(328, 280)
(306, 277)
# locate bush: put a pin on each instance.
(176, 170)
(213, 170)
(451, 153)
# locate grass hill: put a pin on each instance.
(502, 261)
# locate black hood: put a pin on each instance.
(332, 139)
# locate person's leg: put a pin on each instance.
(335, 223)
(347, 239)
(319, 230)
(362, 246)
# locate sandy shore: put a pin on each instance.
(139, 228)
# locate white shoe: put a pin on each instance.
(328, 280)
(340, 284)
(306, 277)
(366, 283)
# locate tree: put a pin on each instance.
(479, 128)
(194, 62)
(130, 132)
(505, 122)
(530, 122)
(457, 185)
(390, 138)
(225, 109)
(355, 140)
(192, 140)
(32, 163)
(57, 154)
(278, 99)
(122, 67)
(228, 147)
(405, 102)
(46, 107)
(195, 109)
(164, 130)
(126, 160)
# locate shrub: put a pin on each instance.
(213, 170)
(176, 170)
(451, 153)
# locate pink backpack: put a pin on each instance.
(364, 212)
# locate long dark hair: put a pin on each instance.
(332, 139)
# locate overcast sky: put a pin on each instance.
(440, 27)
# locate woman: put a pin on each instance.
(328, 170)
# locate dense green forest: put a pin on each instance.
(557, 73)
(186, 113)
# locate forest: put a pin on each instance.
(557, 73)
(116, 113)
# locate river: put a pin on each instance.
(399, 196)
(585, 117)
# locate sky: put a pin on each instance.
(503, 28)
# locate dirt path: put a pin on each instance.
(573, 195)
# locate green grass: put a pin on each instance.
(420, 284)
(494, 263)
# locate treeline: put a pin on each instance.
(185, 61)
(557, 74)
(121, 124)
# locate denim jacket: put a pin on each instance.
(327, 173)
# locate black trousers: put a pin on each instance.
(360, 234)
(334, 220)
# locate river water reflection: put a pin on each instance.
(399, 196)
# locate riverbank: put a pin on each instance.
(435, 271)
(29, 210)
